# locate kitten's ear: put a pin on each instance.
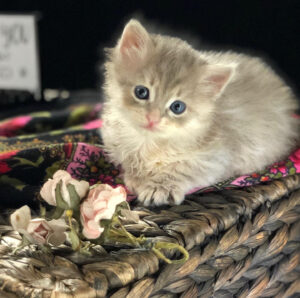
(134, 44)
(216, 78)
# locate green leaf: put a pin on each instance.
(119, 207)
(59, 199)
(57, 213)
(74, 240)
(105, 223)
(25, 241)
(74, 197)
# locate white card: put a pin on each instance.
(19, 63)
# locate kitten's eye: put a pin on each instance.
(178, 107)
(141, 92)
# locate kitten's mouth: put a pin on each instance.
(150, 126)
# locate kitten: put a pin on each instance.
(176, 118)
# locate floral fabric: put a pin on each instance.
(33, 147)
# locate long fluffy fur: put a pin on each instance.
(243, 127)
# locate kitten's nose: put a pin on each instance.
(153, 117)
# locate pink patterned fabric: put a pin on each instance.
(290, 166)
(35, 146)
(8, 127)
(93, 124)
(89, 162)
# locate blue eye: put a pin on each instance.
(178, 107)
(141, 92)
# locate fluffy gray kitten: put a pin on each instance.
(176, 118)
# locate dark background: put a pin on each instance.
(72, 32)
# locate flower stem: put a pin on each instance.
(165, 245)
(132, 239)
(25, 242)
(75, 240)
(161, 256)
(69, 214)
(117, 232)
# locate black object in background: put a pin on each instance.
(72, 32)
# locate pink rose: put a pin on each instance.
(38, 230)
(48, 189)
(100, 204)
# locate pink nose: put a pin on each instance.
(153, 118)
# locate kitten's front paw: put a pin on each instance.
(131, 183)
(154, 194)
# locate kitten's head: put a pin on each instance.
(161, 85)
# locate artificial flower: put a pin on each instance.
(38, 230)
(48, 191)
(100, 204)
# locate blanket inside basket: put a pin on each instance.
(35, 145)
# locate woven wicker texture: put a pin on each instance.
(242, 243)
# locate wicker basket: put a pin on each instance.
(242, 243)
